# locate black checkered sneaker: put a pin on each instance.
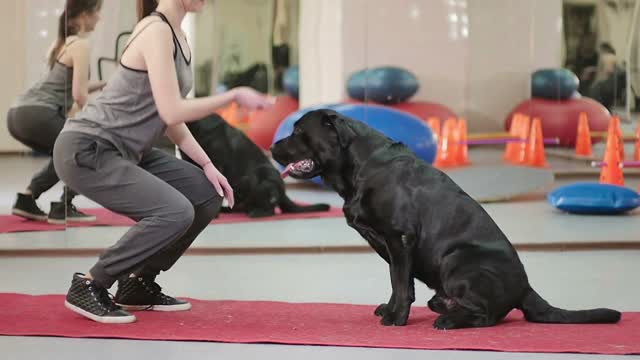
(62, 213)
(90, 300)
(26, 207)
(143, 293)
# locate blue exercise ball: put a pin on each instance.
(397, 125)
(291, 81)
(385, 85)
(554, 84)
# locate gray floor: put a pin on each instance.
(525, 223)
(529, 220)
(571, 280)
(568, 279)
(40, 348)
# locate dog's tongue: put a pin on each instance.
(299, 167)
(286, 171)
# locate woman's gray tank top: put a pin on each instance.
(125, 113)
(54, 90)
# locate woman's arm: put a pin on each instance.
(181, 136)
(79, 52)
(156, 46)
(96, 86)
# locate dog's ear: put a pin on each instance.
(340, 125)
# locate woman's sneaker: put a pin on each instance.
(143, 293)
(61, 213)
(90, 300)
(26, 207)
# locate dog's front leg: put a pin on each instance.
(402, 283)
(378, 244)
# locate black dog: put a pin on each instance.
(257, 185)
(423, 224)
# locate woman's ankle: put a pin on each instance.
(88, 276)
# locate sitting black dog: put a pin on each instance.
(257, 185)
(423, 224)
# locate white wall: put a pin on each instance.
(474, 56)
(242, 28)
(11, 67)
(506, 44)
(117, 16)
(322, 24)
(233, 28)
(41, 30)
(206, 41)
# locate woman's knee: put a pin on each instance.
(183, 215)
(205, 198)
(210, 209)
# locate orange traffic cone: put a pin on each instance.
(448, 146)
(583, 140)
(462, 156)
(511, 150)
(636, 154)
(230, 113)
(521, 147)
(535, 150)
(616, 122)
(434, 124)
(611, 172)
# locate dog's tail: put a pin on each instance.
(288, 206)
(536, 309)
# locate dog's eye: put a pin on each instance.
(297, 131)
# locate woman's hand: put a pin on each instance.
(251, 99)
(97, 86)
(219, 182)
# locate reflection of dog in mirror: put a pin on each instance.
(257, 185)
(423, 224)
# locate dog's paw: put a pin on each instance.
(381, 310)
(441, 305)
(392, 319)
(446, 322)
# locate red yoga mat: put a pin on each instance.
(315, 324)
(10, 223)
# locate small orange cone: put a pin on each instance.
(535, 149)
(616, 122)
(511, 150)
(448, 146)
(611, 172)
(231, 113)
(522, 147)
(434, 124)
(463, 148)
(583, 140)
(636, 154)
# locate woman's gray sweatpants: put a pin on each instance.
(171, 200)
(38, 127)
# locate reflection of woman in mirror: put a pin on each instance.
(280, 47)
(39, 114)
(606, 80)
(106, 153)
